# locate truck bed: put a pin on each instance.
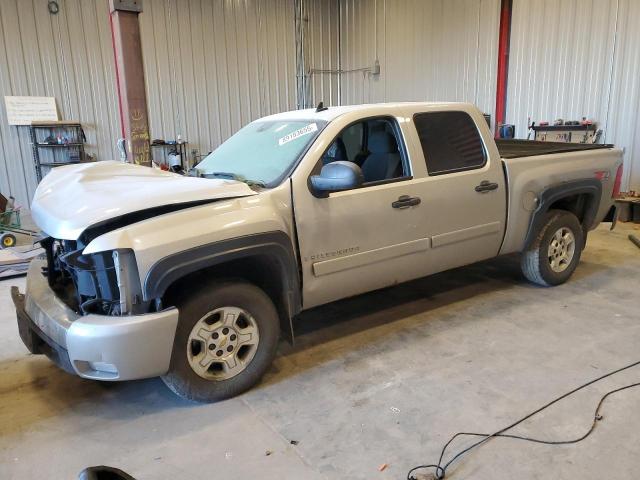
(530, 148)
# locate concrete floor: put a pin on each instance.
(383, 378)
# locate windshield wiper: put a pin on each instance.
(229, 175)
(256, 183)
(234, 176)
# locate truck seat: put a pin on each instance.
(384, 160)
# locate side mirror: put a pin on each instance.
(337, 176)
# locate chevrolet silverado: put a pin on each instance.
(195, 278)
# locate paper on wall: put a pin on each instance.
(24, 110)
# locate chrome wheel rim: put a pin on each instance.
(222, 343)
(561, 250)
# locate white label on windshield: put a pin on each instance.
(298, 133)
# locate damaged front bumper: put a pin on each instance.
(98, 347)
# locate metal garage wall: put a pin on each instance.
(320, 39)
(578, 58)
(67, 56)
(623, 119)
(429, 50)
(560, 60)
(212, 66)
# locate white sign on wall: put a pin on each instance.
(24, 110)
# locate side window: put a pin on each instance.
(375, 146)
(450, 142)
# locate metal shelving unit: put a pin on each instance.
(167, 146)
(55, 144)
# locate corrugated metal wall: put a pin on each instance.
(429, 50)
(67, 56)
(213, 66)
(578, 58)
(320, 40)
(623, 117)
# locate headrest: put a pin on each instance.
(382, 142)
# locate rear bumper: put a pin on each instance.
(98, 347)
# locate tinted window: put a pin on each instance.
(450, 142)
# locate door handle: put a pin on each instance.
(405, 201)
(486, 186)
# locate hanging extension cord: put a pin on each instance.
(439, 470)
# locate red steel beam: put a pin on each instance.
(503, 63)
(132, 97)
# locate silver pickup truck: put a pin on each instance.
(195, 278)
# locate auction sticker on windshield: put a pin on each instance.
(312, 127)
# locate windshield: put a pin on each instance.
(262, 152)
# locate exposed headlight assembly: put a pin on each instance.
(106, 283)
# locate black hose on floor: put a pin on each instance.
(439, 470)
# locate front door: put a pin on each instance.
(359, 240)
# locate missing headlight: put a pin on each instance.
(104, 283)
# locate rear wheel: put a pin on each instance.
(7, 240)
(226, 339)
(555, 252)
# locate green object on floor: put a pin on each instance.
(10, 223)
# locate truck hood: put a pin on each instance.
(70, 199)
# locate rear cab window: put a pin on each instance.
(450, 142)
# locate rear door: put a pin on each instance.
(464, 192)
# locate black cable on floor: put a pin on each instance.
(441, 470)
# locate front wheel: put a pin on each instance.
(555, 252)
(226, 339)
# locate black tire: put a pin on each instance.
(104, 473)
(188, 384)
(535, 262)
(7, 240)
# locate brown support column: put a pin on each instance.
(127, 49)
